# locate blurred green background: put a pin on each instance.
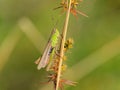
(94, 62)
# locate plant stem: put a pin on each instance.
(62, 44)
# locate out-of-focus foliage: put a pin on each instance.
(94, 60)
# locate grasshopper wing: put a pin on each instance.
(45, 57)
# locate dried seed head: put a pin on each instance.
(67, 82)
(74, 3)
(64, 58)
(73, 10)
(64, 67)
(68, 44)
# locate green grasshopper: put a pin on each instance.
(49, 51)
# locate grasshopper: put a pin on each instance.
(49, 52)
